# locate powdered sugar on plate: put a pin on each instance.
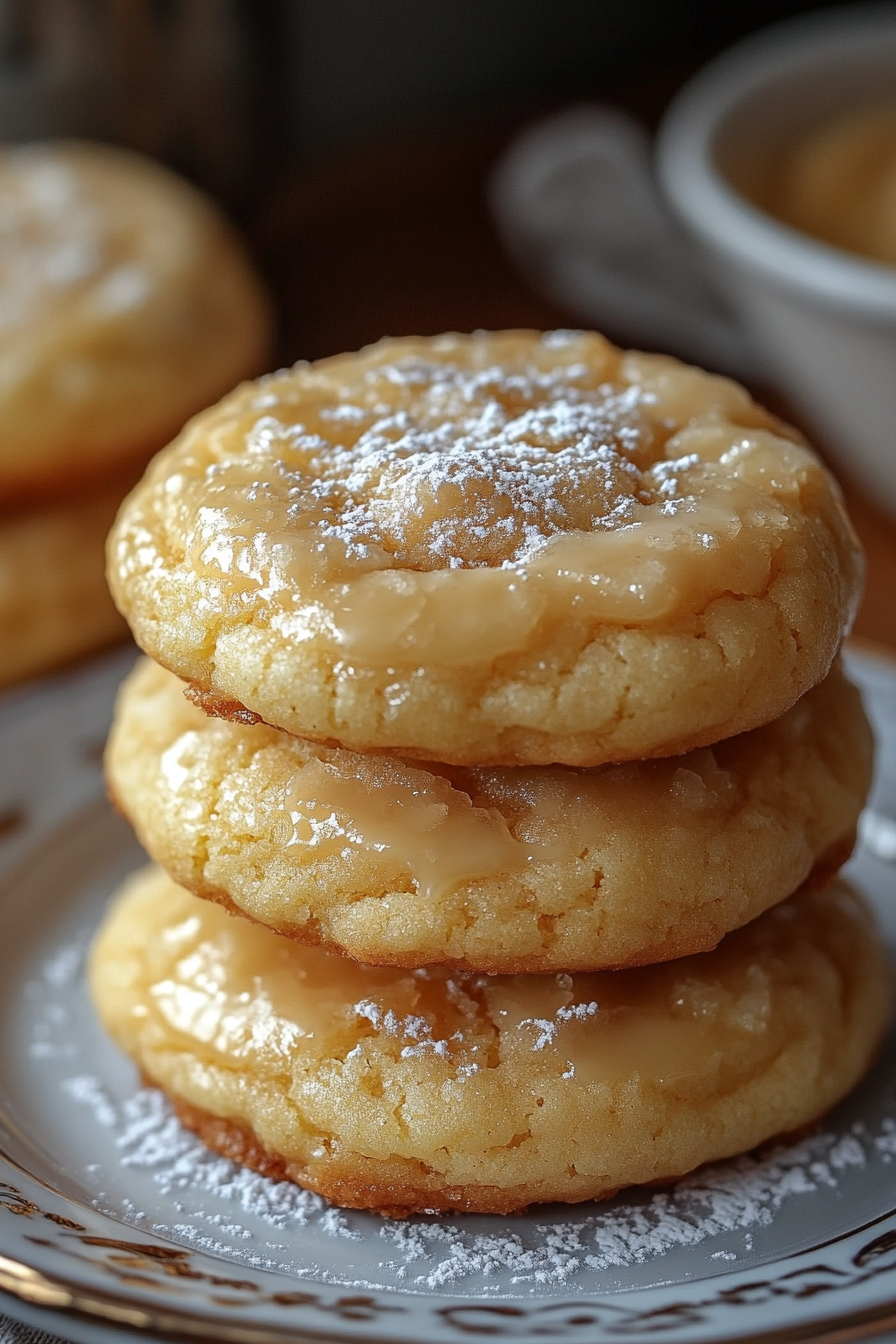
(219, 1200)
(142, 1167)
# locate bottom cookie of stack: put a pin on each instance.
(403, 1091)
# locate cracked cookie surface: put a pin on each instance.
(499, 549)
(491, 869)
(404, 1091)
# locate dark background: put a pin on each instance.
(362, 70)
(234, 90)
(376, 124)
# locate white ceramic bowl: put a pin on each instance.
(823, 320)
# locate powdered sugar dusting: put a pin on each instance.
(223, 1205)
(430, 463)
(492, 482)
(723, 1198)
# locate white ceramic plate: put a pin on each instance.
(114, 1220)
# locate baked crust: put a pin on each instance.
(382, 1187)
(398, 1199)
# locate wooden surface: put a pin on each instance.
(398, 241)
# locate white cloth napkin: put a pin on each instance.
(577, 206)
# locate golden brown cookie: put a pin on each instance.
(127, 304)
(415, 1090)
(491, 869)
(54, 602)
(492, 549)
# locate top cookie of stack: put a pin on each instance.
(504, 549)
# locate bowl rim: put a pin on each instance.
(711, 207)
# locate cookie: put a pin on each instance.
(492, 549)
(405, 1091)
(128, 304)
(490, 869)
(54, 602)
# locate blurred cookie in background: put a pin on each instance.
(127, 304)
(54, 603)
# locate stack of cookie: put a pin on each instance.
(126, 305)
(514, 731)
